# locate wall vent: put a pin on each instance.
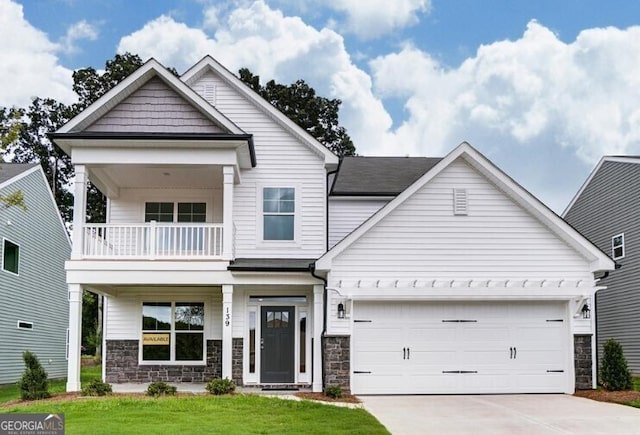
(460, 202)
(210, 93)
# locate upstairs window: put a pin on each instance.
(617, 246)
(158, 211)
(10, 256)
(278, 207)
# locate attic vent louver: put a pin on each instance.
(460, 202)
(210, 93)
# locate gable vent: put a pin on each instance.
(460, 202)
(209, 93)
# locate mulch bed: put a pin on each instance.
(345, 398)
(610, 396)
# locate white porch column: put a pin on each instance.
(227, 213)
(227, 328)
(79, 210)
(318, 292)
(75, 337)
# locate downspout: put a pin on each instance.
(312, 270)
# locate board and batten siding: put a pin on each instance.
(38, 294)
(347, 214)
(608, 206)
(124, 313)
(282, 161)
(156, 108)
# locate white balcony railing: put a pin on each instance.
(153, 241)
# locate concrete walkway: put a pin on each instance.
(502, 414)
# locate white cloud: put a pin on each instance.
(536, 94)
(274, 46)
(77, 32)
(374, 18)
(29, 65)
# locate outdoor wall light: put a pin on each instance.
(586, 311)
(340, 310)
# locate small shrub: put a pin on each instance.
(220, 386)
(34, 384)
(96, 388)
(614, 372)
(157, 389)
(334, 392)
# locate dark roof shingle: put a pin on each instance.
(10, 170)
(379, 176)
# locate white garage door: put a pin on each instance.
(460, 348)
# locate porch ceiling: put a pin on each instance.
(157, 176)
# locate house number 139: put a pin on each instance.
(227, 317)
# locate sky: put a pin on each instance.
(542, 88)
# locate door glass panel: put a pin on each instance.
(252, 342)
(285, 320)
(270, 316)
(303, 342)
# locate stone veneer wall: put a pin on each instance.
(337, 366)
(121, 363)
(582, 358)
(236, 361)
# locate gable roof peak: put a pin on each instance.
(208, 63)
(150, 69)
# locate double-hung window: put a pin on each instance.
(173, 331)
(278, 208)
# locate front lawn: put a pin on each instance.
(203, 414)
(10, 392)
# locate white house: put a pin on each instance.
(444, 275)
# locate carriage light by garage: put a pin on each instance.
(586, 311)
(341, 311)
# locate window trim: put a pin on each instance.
(4, 244)
(172, 336)
(614, 247)
(260, 214)
(19, 324)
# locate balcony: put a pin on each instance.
(153, 241)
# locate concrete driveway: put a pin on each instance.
(501, 414)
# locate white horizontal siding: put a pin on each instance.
(155, 108)
(345, 215)
(422, 238)
(282, 160)
(129, 206)
(124, 312)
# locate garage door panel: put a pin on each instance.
(493, 347)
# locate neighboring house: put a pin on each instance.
(446, 276)
(605, 210)
(33, 289)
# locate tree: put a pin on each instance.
(34, 384)
(299, 102)
(614, 372)
(32, 145)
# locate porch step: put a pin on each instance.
(276, 388)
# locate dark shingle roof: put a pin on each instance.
(379, 176)
(10, 170)
(271, 264)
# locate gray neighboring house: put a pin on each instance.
(606, 211)
(34, 309)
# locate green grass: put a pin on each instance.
(12, 392)
(238, 414)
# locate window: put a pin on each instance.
(25, 325)
(10, 256)
(303, 342)
(278, 207)
(173, 331)
(617, 246)
(158, 211)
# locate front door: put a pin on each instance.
(277, 345)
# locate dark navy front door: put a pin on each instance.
(277, 345)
